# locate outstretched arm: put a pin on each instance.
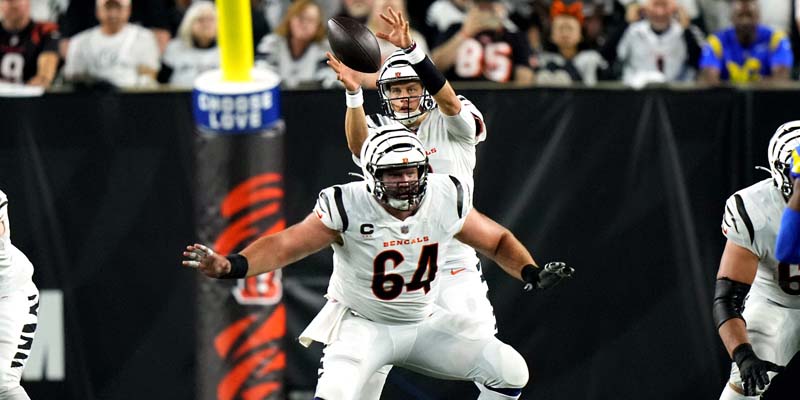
(266, 254)
(431, 78)
(355, 120)
(496, 242)
(499, 244)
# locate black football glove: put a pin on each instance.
(752, 369)
(548, 276)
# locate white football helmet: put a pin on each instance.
(397, 68)
(394, 149)
(779, 154)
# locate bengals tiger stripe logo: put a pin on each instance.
(252, 346)
(253, 209)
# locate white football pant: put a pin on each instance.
(444, 346)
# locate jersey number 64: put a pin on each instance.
(389, 286)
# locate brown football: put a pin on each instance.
(354, 45)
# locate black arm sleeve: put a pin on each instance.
(729, 300)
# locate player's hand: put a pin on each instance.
(794, 171)
(548, 276)
(206, 260)
(752, 369)
(350, 78)
(400, 35)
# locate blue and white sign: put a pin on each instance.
(236, 107)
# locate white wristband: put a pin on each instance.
(354, 100)
(416, 55)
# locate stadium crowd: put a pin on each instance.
(147, 43)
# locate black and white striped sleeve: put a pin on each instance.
(737, 223)
(330, 208)
(463, 199)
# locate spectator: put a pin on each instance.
(48, 10)
(566, 62)
(357, 9)
(194, 50)
(116, 51)
(776, 14)
(533, 18)
(296, 50)
(485, 46)
(442, 14)
(603, 25)
(746, 52)
(716, 15)
(152, 14)
(660, 48)
(28, 49)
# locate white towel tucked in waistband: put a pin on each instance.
(324, 328)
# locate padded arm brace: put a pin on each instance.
(729, 300)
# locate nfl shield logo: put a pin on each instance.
(404, 229)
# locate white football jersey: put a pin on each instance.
(386, 268)
(114, 58)
(751, 220)
(15, 269)
(642, 50)
(188, 62)
(273, 53)
(450, 151)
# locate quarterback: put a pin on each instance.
(389, 233)
(416, 97)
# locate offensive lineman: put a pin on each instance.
(19, 304)
(416, 96)
(388, 233)
(767, 333)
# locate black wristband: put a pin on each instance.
(431, 78)
(742, 352)
(239, 267)
(530, 274)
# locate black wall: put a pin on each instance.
(627, 186)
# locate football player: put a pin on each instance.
(389, 233)
(414, 95)
(787, 247)
(19, 305)
(757, 297)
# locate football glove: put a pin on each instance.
(752, 369)
(548, 276)
(795, 168)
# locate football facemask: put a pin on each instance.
(397, 69)
(389, 152)
(779, 154)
